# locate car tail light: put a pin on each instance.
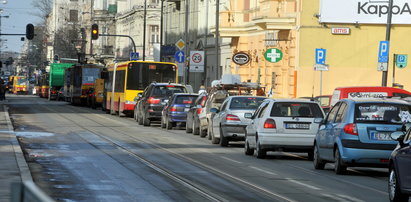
(231, 117)
(152, 100)
(269, 123)
(351, 129)
(384, 160)
(199, 110)
(173, 109)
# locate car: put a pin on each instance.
(356, 132)
(175, 111)
(214, 100)
(288, 125)
(399, 185)
(151, 102)
(60, 94)
(192, 123)
(228, 123)
(324, 101)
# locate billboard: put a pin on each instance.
(364, 11)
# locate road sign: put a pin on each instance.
(321, 67)
(241, 58)
(180, 44)
(401, 61)
(273, 55)
(179, 56)
(383, 52)
(320, 55)
(134, 56)
(382, 66)
(196, 61)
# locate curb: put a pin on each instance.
(21, 161)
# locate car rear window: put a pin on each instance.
(382, 113)
(164, 91)
(183, 99)
(296, 109)
(246, 102)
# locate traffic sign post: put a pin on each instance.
(383, 59)
(179, 56)
(134, 56)
(196, 61)
(401, 62)
(320, 56)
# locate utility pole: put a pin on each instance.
(387, 38)
(217, 33)
(144, 30)
(187, 40)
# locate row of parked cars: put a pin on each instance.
(355, 132)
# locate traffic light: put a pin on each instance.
(94, 31)
(30, 31)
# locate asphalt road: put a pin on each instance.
(79, 154)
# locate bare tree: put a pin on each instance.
(44, 8)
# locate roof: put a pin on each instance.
(293, 100)
(378, 100)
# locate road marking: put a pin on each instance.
(261, 170)
(349, 198)
(226, 158)
(303, 184)
(334, 198)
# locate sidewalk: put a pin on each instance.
(13, 167)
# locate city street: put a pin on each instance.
(80, 154)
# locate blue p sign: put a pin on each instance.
(320, 56)
(383, 51)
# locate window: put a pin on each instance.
(381, 113)
(296, 109)
(185, 99)
(246, 103)
(333, 112)
(262, 110)
(341, 113)
(73, 15)
(154, 34)
(119, 85)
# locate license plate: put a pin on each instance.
(384, 136)
(186, 109)
(297, 126)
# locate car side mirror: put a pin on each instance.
(248, 115)
(140, 95)
(398, 136)
(214, 110)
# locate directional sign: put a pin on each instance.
(320, 56)
(179, 56)
(134, 56)
(383, 52)
(321, 67)
(273, 55)
(180, 44)
(401, 61)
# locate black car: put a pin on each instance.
(399, 183)
(193, 123)
(151, 102)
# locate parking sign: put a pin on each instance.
(383, 51)
(320, 56)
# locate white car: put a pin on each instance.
(283, 125)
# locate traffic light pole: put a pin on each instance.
(134, 44)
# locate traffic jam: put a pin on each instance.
(353, 127)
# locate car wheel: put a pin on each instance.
(223, 139)
(214, 140)
(146, 121)
(339, 167)
(202, 132)
(394, 192)
(169, 124)
(196, 130)
(139, 120)
(163, 124)
(261, 153)
(93, 104)
(318, 164)
(247, 149)
(188, 129)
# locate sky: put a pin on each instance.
(20, 13)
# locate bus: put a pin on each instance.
(44, 86)
(131, 78)
(82, 78)
(20, 85)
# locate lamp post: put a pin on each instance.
(1, 16)
(144, 30)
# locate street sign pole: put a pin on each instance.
(393, 69)
(387, 38)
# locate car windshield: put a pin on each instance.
(185, 99)
(296, 109)
(169, 90)
(246, 102)
(382, 113)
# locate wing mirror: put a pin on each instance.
(319, 120)
(248, 115)
(398, 136)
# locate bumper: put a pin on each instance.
(286, 142)
(178, 117)
(365, 157)
(232, 131)
(128, 107)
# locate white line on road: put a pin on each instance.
(349, 198)
(303, 184)
(261, 170)
(226, 158)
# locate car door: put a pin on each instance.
(218, 117)
(256, 121)
(325, 134)
(403, 161)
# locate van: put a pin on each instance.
(364, 92)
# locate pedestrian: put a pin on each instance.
(2, 90)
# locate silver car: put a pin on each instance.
(228, 123)
(283, 125)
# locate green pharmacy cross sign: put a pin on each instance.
(273, 55)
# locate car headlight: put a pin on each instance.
(130, 102)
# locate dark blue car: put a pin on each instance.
(175, 111)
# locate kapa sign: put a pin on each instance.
(364, 11)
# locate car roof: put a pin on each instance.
(376, 100)
(251, 96)
(180, 94)
(166, 84)
(292, 100)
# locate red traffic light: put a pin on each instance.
(94, 31)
